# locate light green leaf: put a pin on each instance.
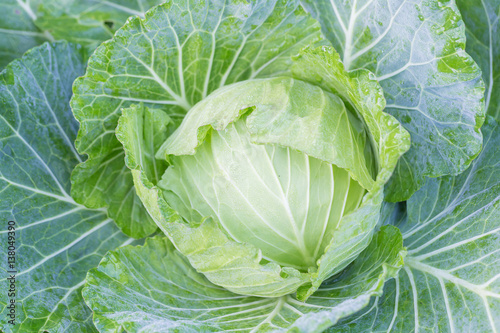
(362, 93)
(56, 239)
(153, 288)
(432, 86)
(171, 60)
(482, 28)
(141, 131)
(451, 280)
(28, 23)
(286, 112)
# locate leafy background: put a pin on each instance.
(482, 25)
(28, 23)
(58, 240)
(450, 282)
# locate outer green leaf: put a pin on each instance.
(87, 22)
(18, 32)
(482, 28)
(57, 240)
(27, 23)
(451, 281)
(171, 60)
(432, 86)
(154, 289)
(360, 91)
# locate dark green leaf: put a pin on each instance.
(57, 240)
(482, 28)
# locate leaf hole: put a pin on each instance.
(109, 24)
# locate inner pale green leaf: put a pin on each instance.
(280, 200)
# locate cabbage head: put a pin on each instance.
(269, 186)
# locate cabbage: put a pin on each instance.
(249, 166)
(278, 182)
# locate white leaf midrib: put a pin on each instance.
(124, 9)
(35, 153)
(53, 218)
(442, 275)
(27, 9)
(379, 38)
(56, 119)
(452, 246)
(181, 100)
(349, 36)
(279, 305)
(70, 245)
(439, 273)
(22, 32)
